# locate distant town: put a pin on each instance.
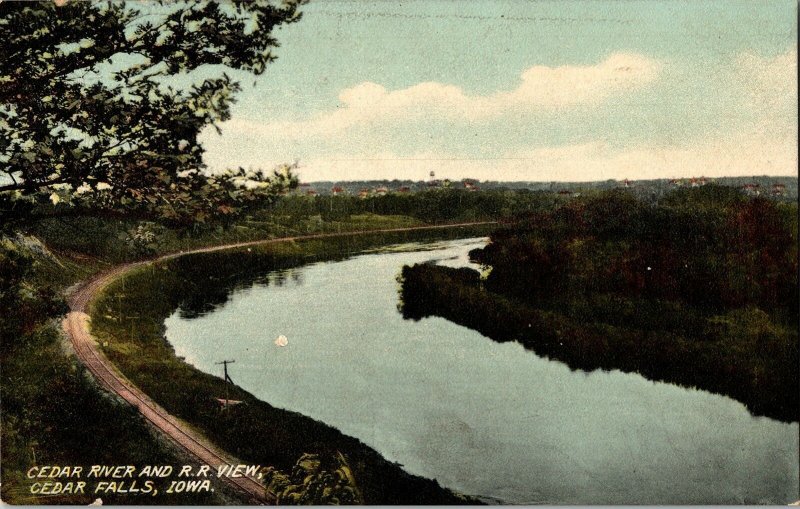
(782, 188)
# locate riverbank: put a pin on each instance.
(479, 416)
(54, 412)
(42, 375)
(699, 290)
(128, 320)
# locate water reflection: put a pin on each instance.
(481, 417)
(208, 281)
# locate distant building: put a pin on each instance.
(753, 189)
(336, 190)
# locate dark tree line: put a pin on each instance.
(700, 290)
(709, 248)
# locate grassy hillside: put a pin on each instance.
(54, 413)
(129, 321)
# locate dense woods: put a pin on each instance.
(699, 289)
(435, 205)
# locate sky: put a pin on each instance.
(520, 90)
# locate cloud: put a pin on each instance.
(749, 126)
(541, 88)
(739, 156)
(770, 82)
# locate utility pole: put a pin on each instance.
(225, 368)
(227, 379)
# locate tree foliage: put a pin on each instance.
(711, 248)
(101, 104)
(699, 289)
(315, 480)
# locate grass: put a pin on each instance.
(55, 414)
(94, 243)
(53, 409)
(129, 318)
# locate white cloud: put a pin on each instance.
(754, 106)
(739, 156)
(541, 88)
(770, 91)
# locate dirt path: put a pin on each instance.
(76, 325)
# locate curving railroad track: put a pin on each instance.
(199, 448)
(76, 325)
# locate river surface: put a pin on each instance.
(483, 418)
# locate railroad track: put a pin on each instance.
(76, 325)
(198, 447)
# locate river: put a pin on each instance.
(483, 418)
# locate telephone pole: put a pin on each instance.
(225, 368)
(227, 379)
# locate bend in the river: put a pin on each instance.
(484, 418)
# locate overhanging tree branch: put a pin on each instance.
(70, 131)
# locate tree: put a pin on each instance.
(101, 105)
